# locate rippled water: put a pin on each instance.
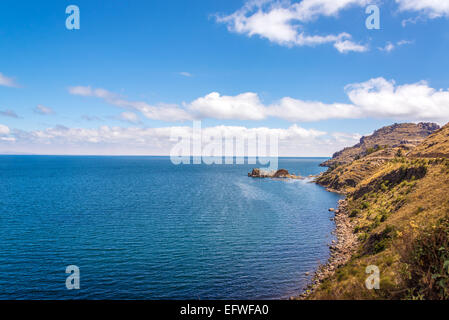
(142, 228)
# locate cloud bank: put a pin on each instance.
(107, 140)
(375, 98)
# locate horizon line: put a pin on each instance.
(139, 155)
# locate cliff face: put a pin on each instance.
(406, 135)
(398, 206)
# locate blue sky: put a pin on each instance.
(310, 68)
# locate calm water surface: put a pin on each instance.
(143, 228)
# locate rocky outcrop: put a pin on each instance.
(404, 135)
(279, 174)
(255, 173)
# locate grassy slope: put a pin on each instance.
(394, 204)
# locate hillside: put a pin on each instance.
(406, 135)
(399, 210)
(436, 146)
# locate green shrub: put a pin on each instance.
(354, 213)
(363, 236)
(365, 205)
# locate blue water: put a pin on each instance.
(143, 228)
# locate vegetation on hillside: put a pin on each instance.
(399, 207)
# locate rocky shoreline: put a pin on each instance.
(342, 249)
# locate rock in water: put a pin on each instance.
(280, 174)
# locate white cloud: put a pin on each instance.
(404, 42)
(278, 21)
(246, 106)
(307, 10)
(293, 141)
(186, 74)
(5, 135)
(346, 138)
(43, 110)
(4, 130)
(388, 47)
(392, 46)
(164, 112)
(89, 92)
(349, 46)
(384, 99)
(298, 110)
(129, 117)
(7, 82)
(413, 20)
(430, 8)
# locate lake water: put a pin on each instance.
(143, 228)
